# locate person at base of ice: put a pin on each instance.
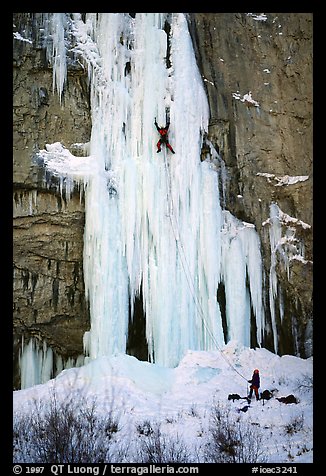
(255, 384)
(163, 131)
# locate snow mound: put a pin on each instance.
(181, 399)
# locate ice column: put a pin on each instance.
(36, 363)
(55, 27)
(241, 272)
(39, 363)
(153, 221)
(285, 246)
(157, 229)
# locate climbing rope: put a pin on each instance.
(184, 263)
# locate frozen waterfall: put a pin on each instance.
(154, 223)
(129, 241)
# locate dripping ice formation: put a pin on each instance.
(286, 247)
(153, 222)
(241, 259)
(141, 251)
(38, 363)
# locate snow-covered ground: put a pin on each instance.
(181, 401)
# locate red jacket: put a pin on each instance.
(163, 131)
(255, 380)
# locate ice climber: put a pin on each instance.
(163, 131)
(255, 384)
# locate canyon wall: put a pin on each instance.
(258, 75)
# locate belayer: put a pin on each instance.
(163, 131)
(255, 384)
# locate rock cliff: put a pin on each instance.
(258, 74)
(49, 301)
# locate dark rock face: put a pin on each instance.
(49, 300)
(271, 58)
(48, 277)
(260, 145)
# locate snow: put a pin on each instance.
(181, 399)
(261, 17)
(18, 36)
(283, 180)
(285, 219)
(247, 98)
(207, 81)
(150, 229)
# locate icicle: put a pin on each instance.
(220, 166)
(36, 363)
(55, 25)
(26, 207)
(251, 244)
(47, 363)
(283, 250)
(275, 237)
(241, 258)
(39, 363)
(70, 170)
(59, 364)
(234, 278)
